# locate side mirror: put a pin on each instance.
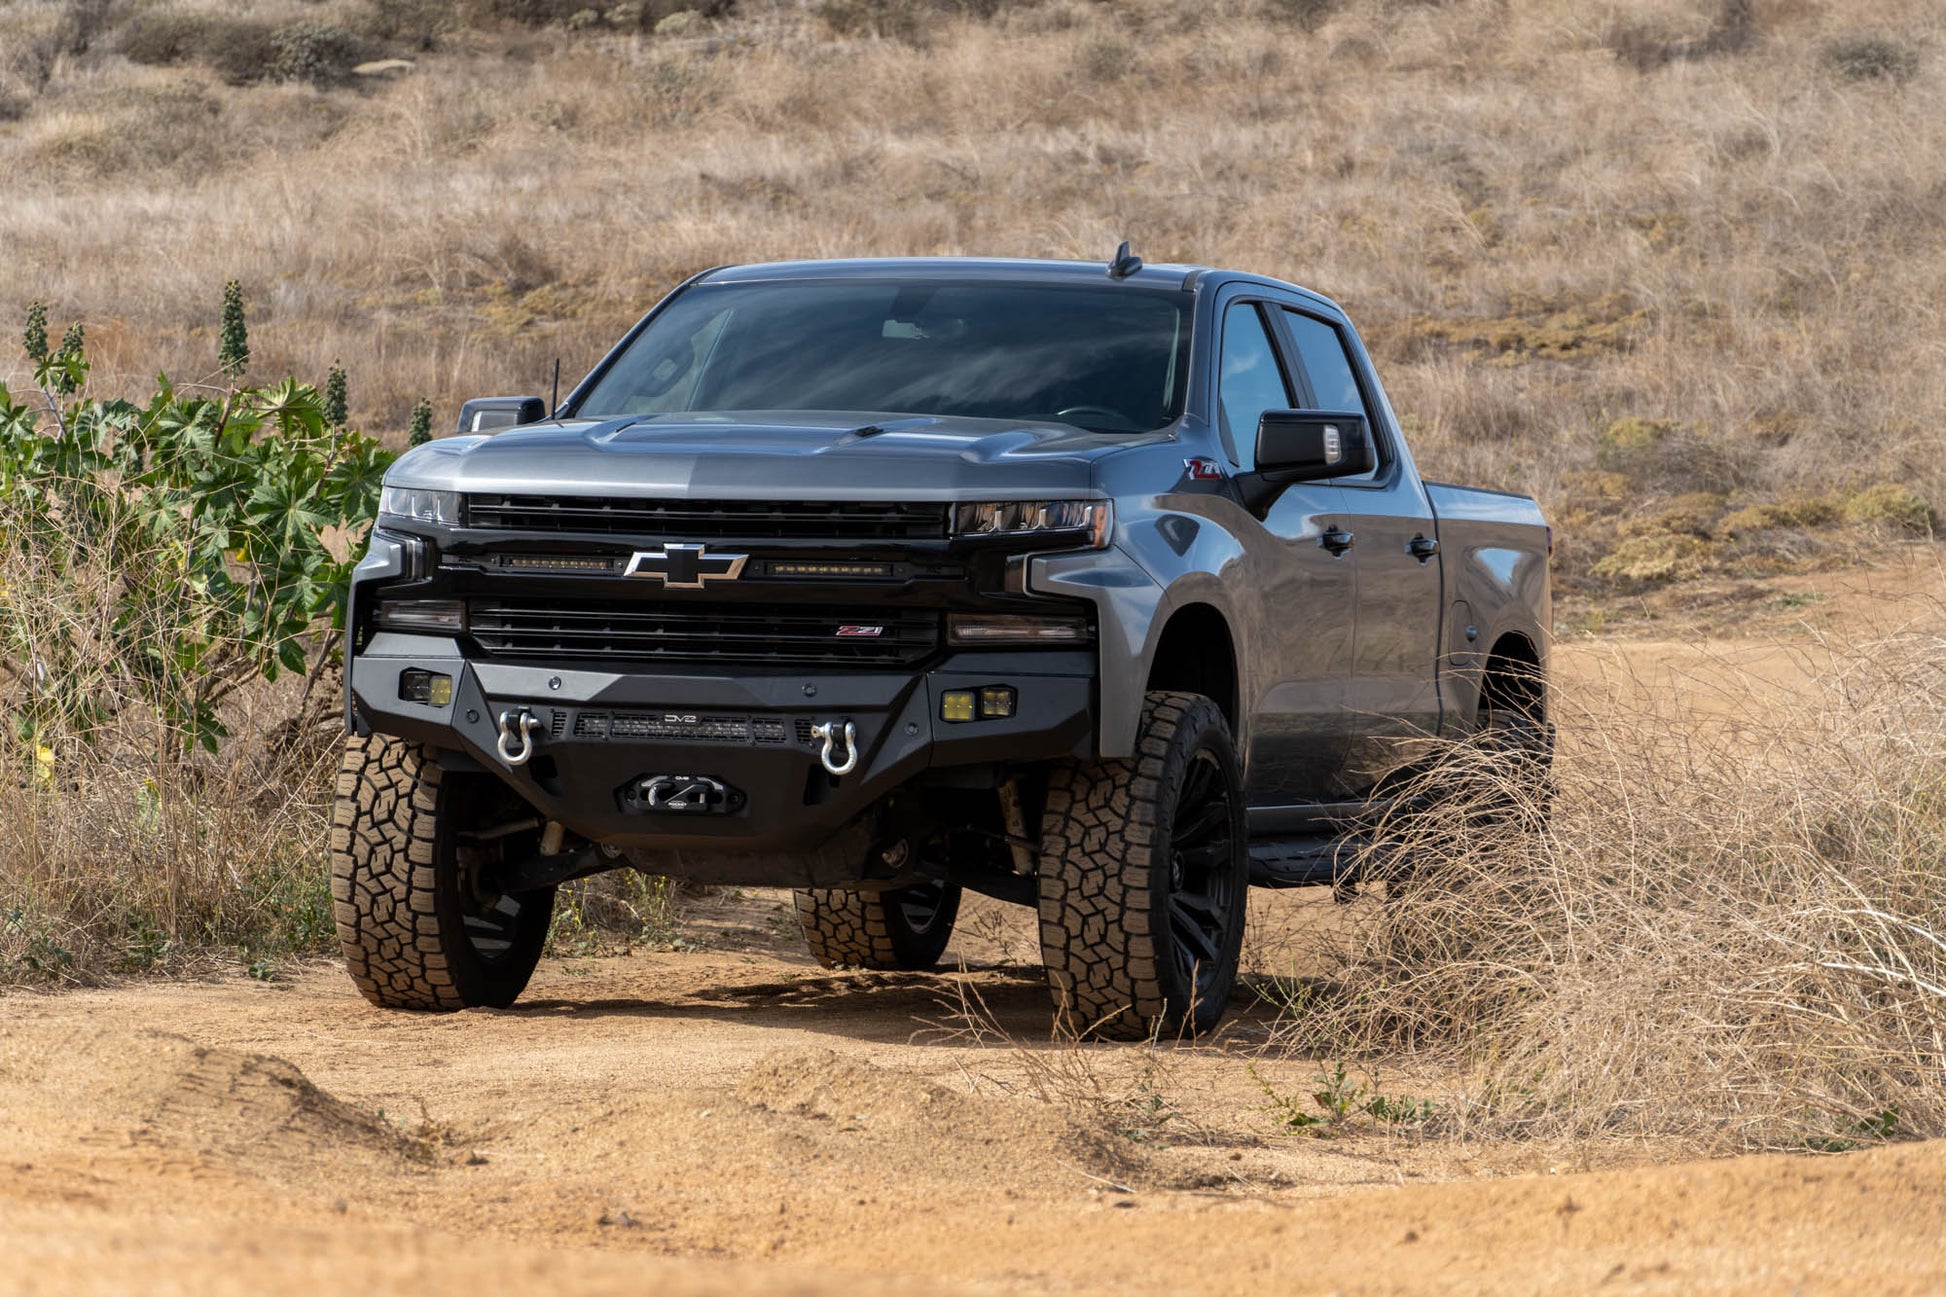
(492, 413)
(1312, 445)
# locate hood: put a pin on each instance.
(783, 456)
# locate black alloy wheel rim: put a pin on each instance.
(1202, 875)
(492, 920)
(920, 906)
(492, 925)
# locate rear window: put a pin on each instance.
(1108, 358)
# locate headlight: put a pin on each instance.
(1011, 628)
(414, 504)
(1086, 521)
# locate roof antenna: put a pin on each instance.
(1125, 263)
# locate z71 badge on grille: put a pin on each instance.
(686, 567)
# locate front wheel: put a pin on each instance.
(1144, 871)
(417, 931)
(903, 929)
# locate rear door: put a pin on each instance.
(1395, 677)
(1299, 621)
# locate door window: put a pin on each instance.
(1251, 382)
(1334, 384)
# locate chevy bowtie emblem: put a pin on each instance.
(686, 567)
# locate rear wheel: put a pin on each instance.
(903, 929)
(1144, 872)
(417, 931)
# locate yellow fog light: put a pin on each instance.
(958, 705)
(997, 702)
(417, 686)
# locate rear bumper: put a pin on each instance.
(599, 734)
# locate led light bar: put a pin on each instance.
(855, 571)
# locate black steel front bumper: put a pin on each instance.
(599, 734)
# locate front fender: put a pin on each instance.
(1160, 563)
(1126, 599)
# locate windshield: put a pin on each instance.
(1107, 358)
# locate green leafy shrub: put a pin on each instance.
(233, 337)
(164, 554)
(247, 51)
(312, 51)
(419, 431)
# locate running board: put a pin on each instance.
(1312, 861)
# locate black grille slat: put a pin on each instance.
(708, 519)
(529, 628)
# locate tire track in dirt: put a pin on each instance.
(733, 1122)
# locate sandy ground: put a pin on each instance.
(737, 1121)
(733, 1119)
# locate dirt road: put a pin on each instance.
(733, 1119)
(738, 1121)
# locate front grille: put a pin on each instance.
(658, 632)
(708, 519)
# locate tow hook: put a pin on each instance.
(831, 734)
(516, 742)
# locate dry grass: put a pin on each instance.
(1731, 931)
(1713, 217)
(125, 858)
(1672, 266)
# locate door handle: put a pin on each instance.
(1422, 548)
(1336, 540)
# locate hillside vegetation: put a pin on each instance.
(1671, 265)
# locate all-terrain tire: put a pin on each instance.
(1126, 846)
(415, 936)
(904, 929)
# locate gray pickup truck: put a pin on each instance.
(1105, 589)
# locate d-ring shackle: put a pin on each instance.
(830, 733)
(517, 728)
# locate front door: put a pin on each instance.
(1303, 591)
(1395, 678)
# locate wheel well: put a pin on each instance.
(1196, 653)
(1513, 680)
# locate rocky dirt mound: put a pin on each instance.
(156, 1096)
